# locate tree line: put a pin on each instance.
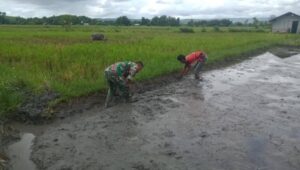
(53, 20)
(122, 20)
(226, 22)
(83, 20)
(213, 22)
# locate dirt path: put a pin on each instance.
(245, 117)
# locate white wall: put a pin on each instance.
(284, 24)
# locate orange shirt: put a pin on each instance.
(195, 56)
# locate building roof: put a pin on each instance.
(286, 14)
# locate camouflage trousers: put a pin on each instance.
(116, 85)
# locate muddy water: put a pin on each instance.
(19, 153)
(243, 117)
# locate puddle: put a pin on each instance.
(19, 153)
(257, 147)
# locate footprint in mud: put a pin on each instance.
(149, 165)
(139, 166)
(275, 140)
(204, 135)
(169, 102)
(109, 144)
(166, 149)
(72, 136)
(153, 107)
(168, 134)
(166, 145)
(159, 108)
(181, 91)
(170, 153)
(197, 96)
(66, 167)
(146, 112)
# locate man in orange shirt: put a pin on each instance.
(197, 58)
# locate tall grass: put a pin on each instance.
(72, 65)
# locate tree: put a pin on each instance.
(165, 21)
(191, 23)
(246, 22)
(178, 22)
(238, 24)
(171, 21)
(225, 22)
(155, 21)
(214, 22)
(145, 21)
(20, 20)
(255, 22)
(123, 20)
(3, 19)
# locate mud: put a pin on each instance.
(242, 117)
(35, 107)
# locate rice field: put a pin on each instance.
(38, 58)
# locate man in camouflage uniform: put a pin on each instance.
(119, 76)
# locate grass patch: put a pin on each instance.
(70, 64)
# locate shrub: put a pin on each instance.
(239, 30)
(97, 37)
(260, 30)
(245, 30)
(217, 29)
(186, 30)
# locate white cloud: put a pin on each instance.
(149, 8)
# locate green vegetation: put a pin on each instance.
(187, 30)
(35, 58)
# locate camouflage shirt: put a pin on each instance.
(123, 70)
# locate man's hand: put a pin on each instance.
(132, 85)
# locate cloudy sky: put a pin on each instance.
(202, 9)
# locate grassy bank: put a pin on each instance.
(35, 58)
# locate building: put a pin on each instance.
(288, 22)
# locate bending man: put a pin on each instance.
(197, 58)
(119, 76)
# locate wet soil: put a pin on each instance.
(246, 116)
